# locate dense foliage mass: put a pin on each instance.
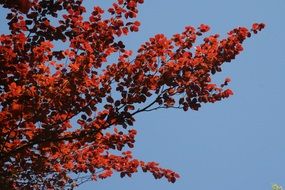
(67, 112)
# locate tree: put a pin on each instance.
(67, 112)
(276, 187)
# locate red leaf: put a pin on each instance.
(204, 28)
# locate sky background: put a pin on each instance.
(235, 144)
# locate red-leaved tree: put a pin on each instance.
(67, 112)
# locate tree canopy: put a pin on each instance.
(67, 112)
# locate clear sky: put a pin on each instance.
(236, 144)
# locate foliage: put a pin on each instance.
(66, 112)
(276, 187)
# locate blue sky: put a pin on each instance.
(236, 144)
